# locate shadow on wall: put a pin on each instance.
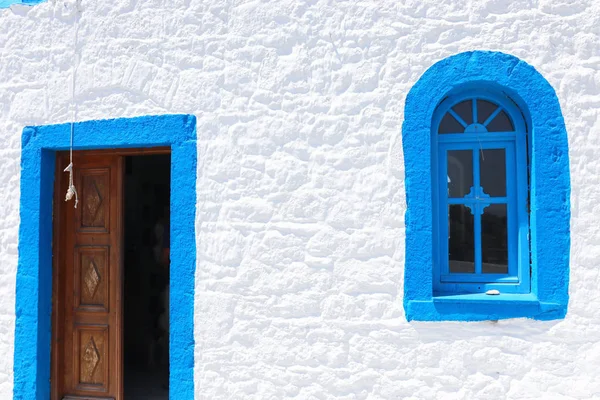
(471, 331)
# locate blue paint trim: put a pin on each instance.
(34, 274)
(8, 3)
(549, 190)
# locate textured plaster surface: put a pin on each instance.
(300, 217)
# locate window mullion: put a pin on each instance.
(477, 210)
(516, 246)
(443, 211)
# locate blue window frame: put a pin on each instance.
(480, 191)
(531, 267)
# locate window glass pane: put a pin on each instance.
(484, 110)
(450, 125)
(501, 123)
(464, 109)
(494, 240)
(492, 170)
(460, 172)
(460, 239)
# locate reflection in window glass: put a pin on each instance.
(460, 172)
(464, 109)
(450, 125)
(500, 123)
(484, 110)
(494, 246)
(461, 247)
(492, 167)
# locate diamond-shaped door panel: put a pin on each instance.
(90, 360)
(95, 199)
(91, 278)
(92, 357)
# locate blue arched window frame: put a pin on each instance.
(549, 195)
(475, 138)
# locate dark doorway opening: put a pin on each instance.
(146, 277)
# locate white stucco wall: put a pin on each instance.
(301, 205)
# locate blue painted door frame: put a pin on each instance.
(34, 273)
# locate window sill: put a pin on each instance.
(483, 298)
(483, 307)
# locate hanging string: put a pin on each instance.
(71, 191)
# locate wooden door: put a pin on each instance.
(87, 309)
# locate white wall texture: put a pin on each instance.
(300, 218)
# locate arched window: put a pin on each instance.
(486, 165)
(481, 222)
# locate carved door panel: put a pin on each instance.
(87, 361)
